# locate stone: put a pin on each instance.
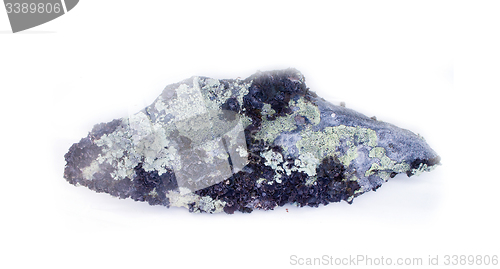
(229, 145)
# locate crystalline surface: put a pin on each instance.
(237, 145)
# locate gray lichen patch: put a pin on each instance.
(422, 168)
(302, 110)
(275, 161)
(189, 102)
(267, 110)
(184, 135)
(89, 171)
(270, 129)
(195, 203)
(325, 143)
(385, 166)
(216, 92)
(136, 141)
(306, 109)
(306, 163)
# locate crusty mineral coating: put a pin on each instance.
(214, 145)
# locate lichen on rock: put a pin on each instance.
(213, 145)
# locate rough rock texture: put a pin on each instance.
(237, 145)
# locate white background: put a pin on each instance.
(431, 67)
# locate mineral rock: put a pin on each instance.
(229, 145)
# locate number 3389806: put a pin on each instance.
(33, 8)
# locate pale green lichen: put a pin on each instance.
(267, 110)
(377, 152)
(320, 144)
(149, 142)
(386, 164)
(307, 109)
(351, 154)
(261, 180)
(353, 178)
(216, 93)
(422, 168)
(245, 121)
(90, 170)
(242, 89)
(206, 204)
(360, 191)
(361, 135)
(219, 206)
(182, 198)
(137, 140)
(324, 143)
(185, 198)
(153, 193)
(306, 163)
(274, 160)
(311, 181)
(270, 129)
(189, 102)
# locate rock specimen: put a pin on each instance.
(237, 145)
